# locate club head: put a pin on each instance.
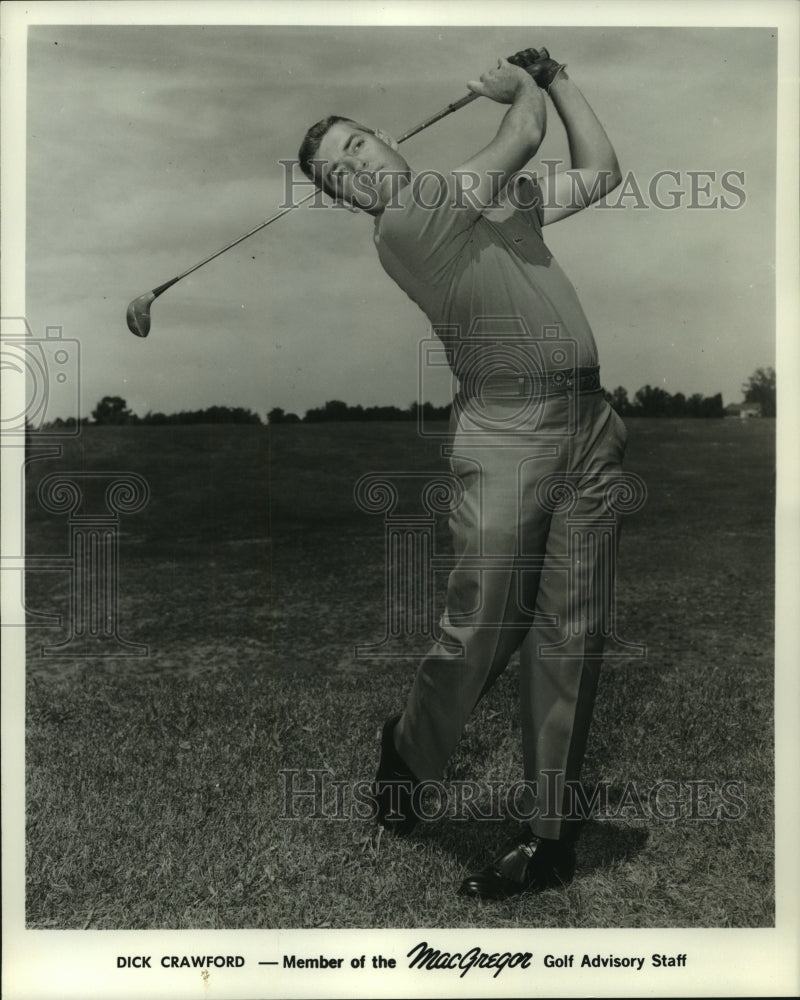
(138, 314)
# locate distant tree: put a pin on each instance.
(651, 401)
(335, 409)
(386, 413)
(694, 405)
(112, 410)
(223, 415)
(619, 400)
(277, 415)
(429, 411)
(211, 415)
(679, 405)
(761, 388)
(712, 406)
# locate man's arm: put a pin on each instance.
(486, 174)
(594, 169)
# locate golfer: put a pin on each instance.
(530, 423)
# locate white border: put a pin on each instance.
(43, 964)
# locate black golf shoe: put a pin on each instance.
(528, 864)
(394, 786)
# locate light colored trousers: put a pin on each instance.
(533, 572)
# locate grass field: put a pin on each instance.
(154, 796)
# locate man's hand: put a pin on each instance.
(519, 136)
(503, 83)
(526, 57)
(543, 69)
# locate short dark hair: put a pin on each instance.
(310, 146)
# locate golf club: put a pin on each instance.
(138, 314)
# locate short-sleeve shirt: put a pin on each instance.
(471, 272)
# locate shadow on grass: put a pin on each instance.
(600, 846)
(604, 844)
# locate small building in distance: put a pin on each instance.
(743, 410)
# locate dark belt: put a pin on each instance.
(563, 381)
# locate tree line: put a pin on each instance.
(336, 410)
(649, 401)
(114, 410)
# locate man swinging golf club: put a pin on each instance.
(529, 418)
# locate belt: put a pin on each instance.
(510, 386)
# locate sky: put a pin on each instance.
(149, 147)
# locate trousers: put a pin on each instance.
(534, 544)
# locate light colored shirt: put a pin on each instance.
(486, 282)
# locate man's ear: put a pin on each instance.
(385, 137)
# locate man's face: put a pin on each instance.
(362, 169)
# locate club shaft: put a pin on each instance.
(455, 106)
(236, 242)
